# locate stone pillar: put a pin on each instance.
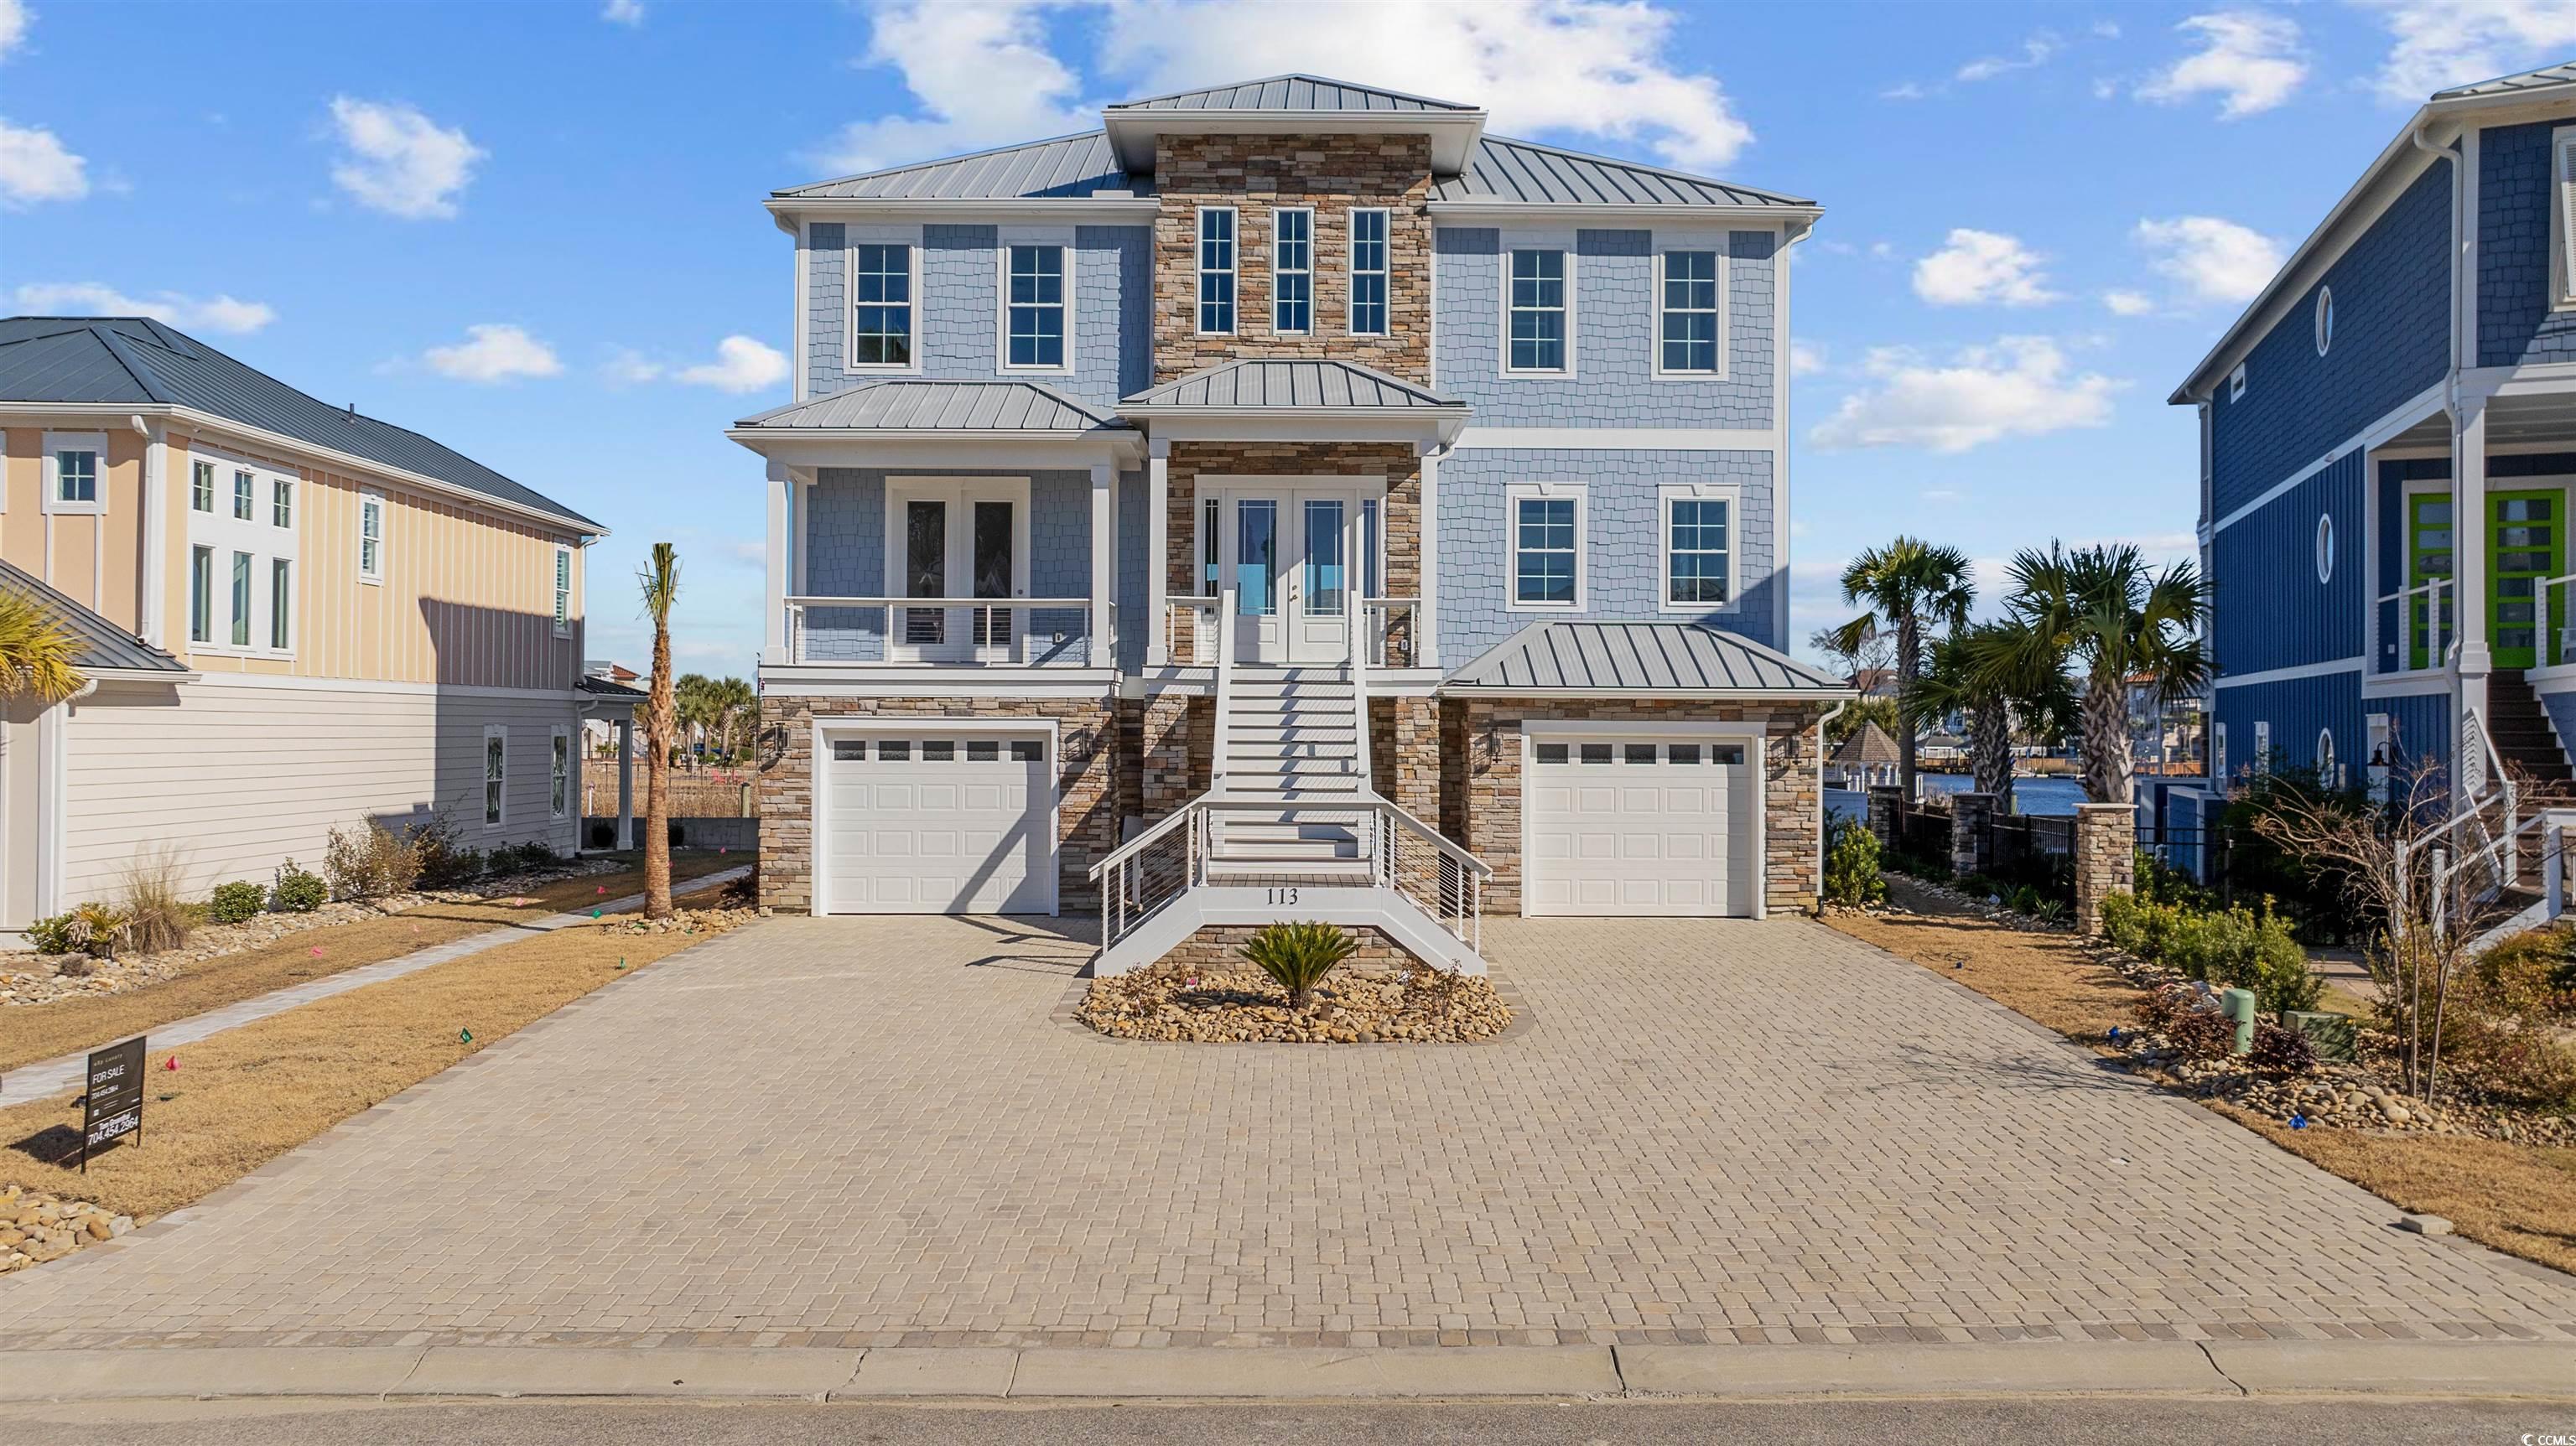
(2106, 842)
(1164, 784)
(1883, 801)
(1417, 789)
(1971, 839)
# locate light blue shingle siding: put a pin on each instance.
(2270, 610)
(2515, 323)
(957, 317)
(2392, 340)
(1614, 335)
(1622, 535)
(845, 532)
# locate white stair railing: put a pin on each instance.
(1223, 633)
(2480, 844)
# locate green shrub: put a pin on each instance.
(2235, 949)
(1298, 956)
(1852, 874)
(93, 929)
(234, 902)
(56, 934)
(2280, 1051)
(297, 890)
(445, 858)
(370, 861)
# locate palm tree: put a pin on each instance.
(36, 654)
(737, 707)
(693, 699)
(660, 579)
(1993, 675)
(1906, 584)
(2101, 608)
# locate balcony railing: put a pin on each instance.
(949, 631)
(1388, 629)
(2424, 631)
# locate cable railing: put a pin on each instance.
(936, 631)
(2434, 655)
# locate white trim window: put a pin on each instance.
(2236, 383)
(1538, 321)
(201, 486)
(1698, 548)
(241, 599)
(1037, 322)
(2324, 321)
(496, 775)
(371, 537)
(75, 472)
(1690, 322)
(1372, 267)
(1546, 522)
(1292, 270)
(2262, 745)
(882, 274)
(201, 594)
(2562, 217)
(559, 772)
(1216, 254)
(281, 604)
(563, 592)
(2325, 547)
(245, 493)
(281, 502)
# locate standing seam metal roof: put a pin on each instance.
(1066, 167)
(132, 359)
(104, 647)
(1503, 169)
(917, 404)
(1262, 382)
(1641, 657)
(1291, 92)
(2541, 79)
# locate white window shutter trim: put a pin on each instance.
(2566, 178)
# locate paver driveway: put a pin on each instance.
(872, 1130)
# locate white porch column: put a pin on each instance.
(1104, 562)
(626, 780)
(155, 599)
(1158, 561)
(1426, 613)
(2469, 562)
(782, 505)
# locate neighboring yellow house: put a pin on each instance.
(329, 618)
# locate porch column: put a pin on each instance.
(1426, 613)
(782, 503)
(1158, 567)
(1104, 558)
(2469, 567)
(626, 780)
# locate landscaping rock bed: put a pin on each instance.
(36, 1227)
(1229, 1006)
(731, 908)
(31, 978)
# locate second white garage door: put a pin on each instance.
(1644, 825)
(937, 823)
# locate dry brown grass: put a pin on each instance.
(30, 1032)
(2520, 1199)
(250, 1094)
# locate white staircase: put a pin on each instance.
(1292, 753)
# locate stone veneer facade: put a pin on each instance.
(1220, 946)
(1255, 175)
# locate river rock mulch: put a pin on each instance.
(36, 1227)
(1237, 1006)
(732, 906)
(27, 977)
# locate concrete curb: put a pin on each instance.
(2487, 1369)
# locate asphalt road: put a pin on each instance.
(2064, 1421)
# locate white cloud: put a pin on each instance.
(35, 167)
(2035, 52)
(1806, 358)
(2128, 303)
(741, 365)
(2021, 386)
(13, 25)
(2442, 43)
(1942, 494)
(624, 12)
(2250, 57)
(399, 161)
(89, 298)
(1979, 267)
(495, 353)
(628, 367)
(2210, 259)
(983, 73)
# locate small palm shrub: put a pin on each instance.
(234, 902)
(370, 861)
(1852, 874)
(298, 890)
(1298, 956)
(93, 929)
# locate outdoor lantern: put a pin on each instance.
(2377, 769)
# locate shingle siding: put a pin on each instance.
(2270, 611)
(1614, 384)
(845, 537)
(2516, 324)
(1622, 569)
(2392, 307)
(2296, 708)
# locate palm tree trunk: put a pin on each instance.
(1909, 667)
(660, 723)
(2107, 769)
(1990, 750)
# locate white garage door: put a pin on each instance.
(938, 823)
(1640, 826)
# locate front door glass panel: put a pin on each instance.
(1256, 551)
(1324, 564)
(925, 569)
(2524, 545)
(992, 565)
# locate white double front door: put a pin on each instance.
(1300, 560)
(958, 539)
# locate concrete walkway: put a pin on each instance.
(53, 1076)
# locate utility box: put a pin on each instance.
(2238, 1005)
(2333, 1036)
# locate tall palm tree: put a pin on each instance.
(1906, 584)
(660, 579)
(1994, 676)
(737, 708)
(36, 654)
(693, 702)
(2114, 619)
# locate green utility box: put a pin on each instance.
(2333, 1036)
(2238, 1005)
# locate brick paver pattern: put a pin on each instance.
(873, 1132)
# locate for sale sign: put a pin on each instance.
(114, 1108)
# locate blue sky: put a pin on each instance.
(532, 230)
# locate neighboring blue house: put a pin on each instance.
(2388, 436)
(1286, 501)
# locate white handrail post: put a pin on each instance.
(2553, 857)
(1224, 641)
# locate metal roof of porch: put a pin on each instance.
(1642, 658)
(907, 404)
(1263, 383)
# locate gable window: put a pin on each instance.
(281, 612)
(881, 301)
(1369, 269)
(73, 462)
(371, 537)
(496, 773)
(281, 503)
(2562, 215)
(75, 476)
(244, 487)
(1699, 550)
(2236, 383)
(1037, 308)
(1547, 546)
(201, 487)
(241, 599)
(1688, 327)
(1536, 302)
(201, 594)
(563, 592)
(1216, 271)
(559, 773)
(1292, 271)
(2325, 319)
